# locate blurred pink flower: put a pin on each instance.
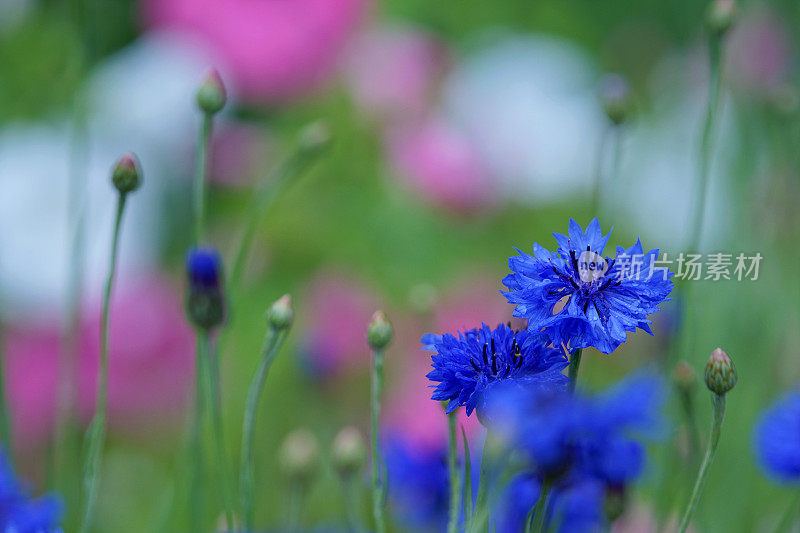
(393, 71)
(440, 163)
(338, 309)
(759, 52)
(151, 364)
(274, 48)
(240, 153)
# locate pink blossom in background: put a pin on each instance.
(275, 49)
(393, 72)
(239, 154)
(440, 163)
(759, 52)
(337, 310)
(151, 364)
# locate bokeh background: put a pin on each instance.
(460, 130)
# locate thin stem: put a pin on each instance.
(5, 425)
(378, 481)
(97, 430)
(484, 474)
(789, 516)
(200, 178)
(280, 177)
(716, 429)
(212, 401)
(574, 366)
(295, 495)
(540, 509)
(455, 482)
(687, 404)
(714, 86)
(272, 344)
(196, 481)
(351, 507)
(468, 503)
(598, 172)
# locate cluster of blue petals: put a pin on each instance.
(470, 366)
(203, 267)
(777, 439)
(580, 298)
(19, 513)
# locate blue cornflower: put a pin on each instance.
(468, 367)
(19, 513)
(205, 301)
(603, 298)
(777, 439)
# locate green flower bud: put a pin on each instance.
(299, 455)
(720, 16)
(684, 376)
(615, 94)
(379, 333)
(720, 373)
(349, 452)
(211, 95)
(315, 137)
(126, 174)
(281, 315)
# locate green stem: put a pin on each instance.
(540, 509)
(598, 173)
(295, 495)
(714, 86)
(5, 426)
(97, 429)
(196, 482)
(455, 482)
(200, 178)
(278, 179)
(789, 516)
(690, 420)
(574, 366)
(378, 481)
(716, 429)
(482, 499)
(351, 507)
(212, 400)
(272, 344)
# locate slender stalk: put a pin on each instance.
(351, 506)
(540, 509)
(598, 172)
(716, 429)
(212, 401)
(714, 86)
(574, 366)
(272, 344)
(295, 495)
(378, 481)
(467, 483)
(97, 430)
(5, 425)
(196, 481)
(484, 481)
(455, 482)
(789, 516)
(201, 171)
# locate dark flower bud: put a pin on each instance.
(127, 175)
(211, 95)
(379, 333)
(720, 16)
(684, 377)
(614, 503)
(281, 315)
(205, 302)
(299, 455)
(615, 93)
(349, 452)
(315, 137)
(720, 373)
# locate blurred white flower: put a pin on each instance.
(530, 103)
(140, 100)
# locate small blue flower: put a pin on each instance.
(468, 367)
(19, 513)
(603, 299)
(777, 439)
(204, 267)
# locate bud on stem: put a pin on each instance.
(211, 95)
(281, 314)
(126, 175)
(379, 333)
(720, 374)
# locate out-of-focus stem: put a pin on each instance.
(378, 480)
(200, 178)
(455, 482)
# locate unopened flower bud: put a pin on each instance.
(315, 137)
(720, 16)
(205, 302)
(349, 451)
(281, 314)
(299, 455)
(379, 333)
(127, 175)
(684, 377)
(615, 94)
(211, 95)
(720, 373)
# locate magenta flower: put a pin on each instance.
(275, 49)
(441, 164)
